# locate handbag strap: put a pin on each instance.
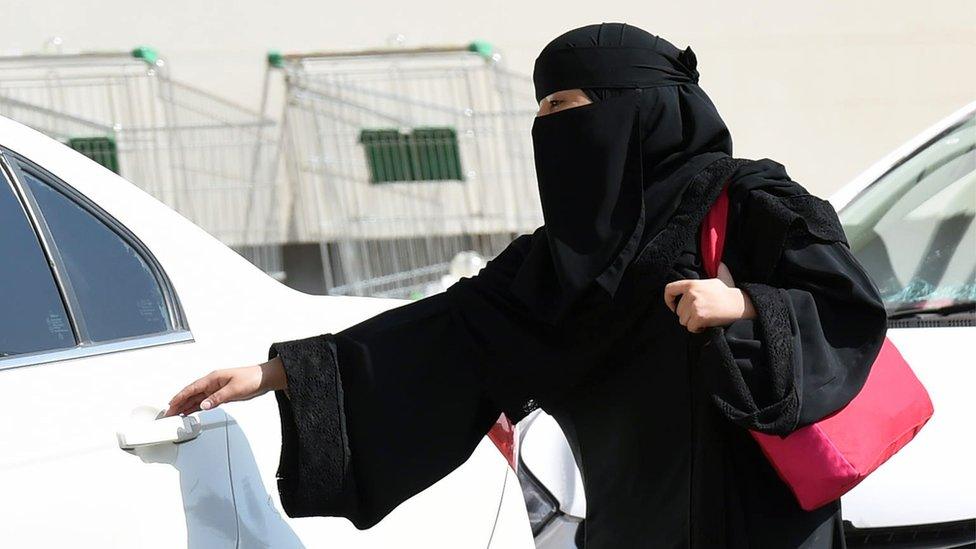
(712, 236)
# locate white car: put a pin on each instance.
(910, 221)
(109, 303)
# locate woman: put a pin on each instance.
(603, 318)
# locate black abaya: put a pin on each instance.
(656, 416)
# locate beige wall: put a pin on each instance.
(825, 87)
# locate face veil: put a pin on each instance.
(611, 173)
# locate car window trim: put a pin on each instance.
(174, 307)
(82, 351)
(13, 165)
(51, 252)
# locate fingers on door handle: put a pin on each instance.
(144, 429)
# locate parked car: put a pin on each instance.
(910, 221)
(109, 303)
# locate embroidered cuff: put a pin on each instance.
(767, 401)
(314, 473)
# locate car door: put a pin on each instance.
(91, 335)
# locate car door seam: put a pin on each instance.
(230, 478)
(498, 512)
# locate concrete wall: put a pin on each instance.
(824, 87)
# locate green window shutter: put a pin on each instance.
(439, 157)
(99, 149)
(425, 154)
(387, 155)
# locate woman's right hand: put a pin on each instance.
(229, 385)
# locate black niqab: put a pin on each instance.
(611, 173)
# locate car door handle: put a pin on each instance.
(143, 431)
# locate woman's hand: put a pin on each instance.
(708, 302)
(229, 385)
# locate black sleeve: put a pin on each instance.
(819, 325)
(377, 412)
(380, 411)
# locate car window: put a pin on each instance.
(32, 317)
(914, 231)
(117, 292)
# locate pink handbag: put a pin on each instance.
(823, 461)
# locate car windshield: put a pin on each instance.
(913, 229)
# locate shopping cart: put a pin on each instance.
(209, 159)
(399, 159)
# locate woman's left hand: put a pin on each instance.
(708, 302)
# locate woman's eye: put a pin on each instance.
(554, 102)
